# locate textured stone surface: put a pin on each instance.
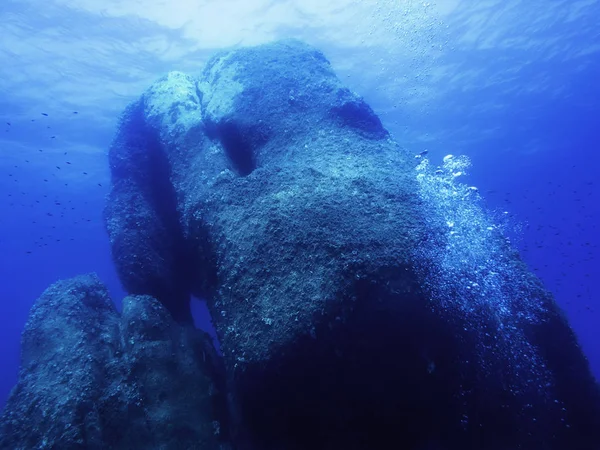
(93, 379)
(341, 298)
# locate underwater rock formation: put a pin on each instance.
(361, 299)
(93, 379)
(325, 265)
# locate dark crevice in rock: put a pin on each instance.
(237, 146)
(140, 168)
(164, 200)
(355, 113)
(240, 142)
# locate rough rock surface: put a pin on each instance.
(361, 301)
(93, 379)
(325, 268)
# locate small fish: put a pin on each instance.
(424, 152)
(44, 114)
(52, 137)
(68, 162)
(58, 167)
(85, 173)
(75, 112)
(8, 123)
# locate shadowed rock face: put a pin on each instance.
(142, 219)
(271, 190)
(93, 379)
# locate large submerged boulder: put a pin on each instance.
(92, 378)
(350, 312)
(361, 298)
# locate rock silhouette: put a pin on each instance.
(360, 299)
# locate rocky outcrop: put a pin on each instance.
(92, 378)
(326, 267)
(361, 300)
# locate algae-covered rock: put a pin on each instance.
(91, 378)
(348, 314)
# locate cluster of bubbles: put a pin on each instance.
(469, 249)
(472, 271)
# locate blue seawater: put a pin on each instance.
(510, 86)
